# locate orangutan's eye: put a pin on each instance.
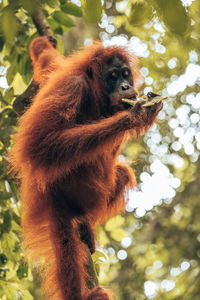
(114, 75)
(126, 73)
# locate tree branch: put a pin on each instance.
(40, 21)
(23, 101)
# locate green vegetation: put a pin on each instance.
(153, 250)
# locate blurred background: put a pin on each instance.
(153, 250)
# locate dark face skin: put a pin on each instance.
(118, 84)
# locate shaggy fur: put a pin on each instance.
(65, 153)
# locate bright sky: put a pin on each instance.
(3, 81)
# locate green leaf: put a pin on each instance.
(1, 148)
(15, 191)
(3, 260)
(5, 195)
(1, 97)
(174, 16)
(10, 292)
(133, 150)
(99, 257)
(53, 24)
(6, 225)
(62, 2)
(46, 13)
(59, 30)
(22, 64)
(11, 72)
(52, 3)
(25, 70)
(60, 46)
(22, 271)
(29, 6)
(141, 13)
(72, 9)
(8, 244)
(118, 234)
(26, 294)
(9, 94)
(102, 237)
(15, 227)
(9, 23)
(1, 43)
(93, 10)
(63, 19)
(15, 4)
(97, 268)
(18, 84)
(114, 222)
(3, 273)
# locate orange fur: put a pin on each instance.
(65, 153)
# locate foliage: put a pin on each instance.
(153, 250)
